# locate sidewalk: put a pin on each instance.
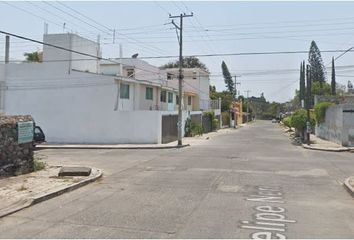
(320, 144)
(324, 145)
(22, 191)
(187, 141)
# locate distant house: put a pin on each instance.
(196, 83)
(150, 88)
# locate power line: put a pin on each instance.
(31, 13)
(99, 24)
(243, 54)
(77, 18)
(70, 50)
(61, 18)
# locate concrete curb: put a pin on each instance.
(25, 203)
(40, 147)
(348, 186)
(343, 149)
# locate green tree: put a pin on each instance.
(33, 57)
(188, 62)
(317, 89)
(227, 78)
(316, 64)
(333, 82)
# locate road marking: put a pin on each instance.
(269, 220)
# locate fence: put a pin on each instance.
(209, 104)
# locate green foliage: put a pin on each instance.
(316, 64)
(210, 114)
(214, 121)
(299, 119)
(38, 165)
(226, 99)
(188, 62)
(192, 129)
(320, 111)
(216, 124)
(227, 78)
(287, 122)
(33, 57)
(225, 118)
(317, 89)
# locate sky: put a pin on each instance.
(216, 27)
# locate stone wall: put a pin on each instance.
(14, 158)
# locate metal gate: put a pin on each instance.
(207, 124)
(169, 128)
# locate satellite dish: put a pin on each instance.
(135, 55)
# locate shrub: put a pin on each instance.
(38, 165)
(225, 118)
(192, 129)
(299, 119)
(287, 122)
(216, 124)
(211, 114)
(320, 111)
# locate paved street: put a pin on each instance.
(251, 182)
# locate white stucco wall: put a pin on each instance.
(76, 43)
(348, 125)
(76, 107)
(338, 126)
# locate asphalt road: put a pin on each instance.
(246, 184)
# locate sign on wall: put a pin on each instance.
(25, 132)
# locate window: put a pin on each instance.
(163, 96)
(130, 73)
(170, 97)
(177, 99)
(149, 93)
(169, 76)
(189, 100)
(194, 75)
(124, 91)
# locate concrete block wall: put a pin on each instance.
(338, 126)
(14, 158)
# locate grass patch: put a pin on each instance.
(38, 165)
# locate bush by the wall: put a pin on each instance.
(225, 116)
(299, 118)
(192, 129)
(216, 124)
(320, 111)
(287, 122)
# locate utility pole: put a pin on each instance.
(180, 76)
(308, 102)
(248, 102)
(7, 49)
(235, 86)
